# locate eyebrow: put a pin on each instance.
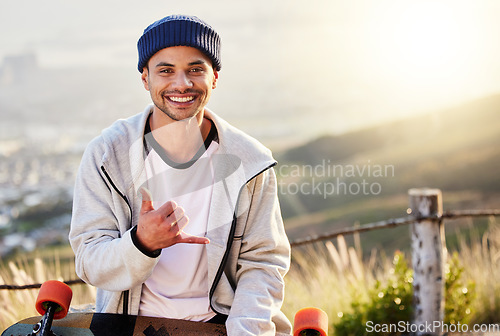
(197, 62)
(162, 64)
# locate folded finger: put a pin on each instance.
(167, 208)
(183, 222)
(175, 216)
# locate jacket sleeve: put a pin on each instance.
(263, 262)
(100, 234)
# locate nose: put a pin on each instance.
(182, 82)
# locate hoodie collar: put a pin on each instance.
(125, 159)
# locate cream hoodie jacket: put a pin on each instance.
(248, 254)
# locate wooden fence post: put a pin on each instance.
(428, 258)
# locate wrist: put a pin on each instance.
(141, 247)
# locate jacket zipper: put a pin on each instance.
(223, 263)
(126, 294)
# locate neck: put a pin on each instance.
(180, 139)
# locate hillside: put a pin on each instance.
(468, 124)
(363, 176)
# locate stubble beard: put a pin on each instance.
(163, 106)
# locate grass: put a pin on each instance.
(329, 276)
(24, 270)
(481, 260)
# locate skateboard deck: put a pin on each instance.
(100, 324)
(53, 304)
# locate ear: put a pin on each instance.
(216, 76)
(145, 78)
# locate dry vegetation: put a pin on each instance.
(330, 277)
(18, 304)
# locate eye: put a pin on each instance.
(196, 69)
(167, 70)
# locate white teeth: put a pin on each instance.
(181, 99)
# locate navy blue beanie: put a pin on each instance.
(179, 30)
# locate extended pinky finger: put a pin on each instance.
(189, 239)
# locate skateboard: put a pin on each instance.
(53, 303)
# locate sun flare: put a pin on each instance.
(426, 52)
(426, 40)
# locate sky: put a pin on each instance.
(290, 69)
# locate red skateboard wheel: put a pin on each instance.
(56, 292)
(310, 321)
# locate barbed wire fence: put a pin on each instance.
(391, 223)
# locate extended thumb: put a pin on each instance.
(147, 198)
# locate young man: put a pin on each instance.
(175, 211)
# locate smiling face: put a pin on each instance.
(180, 81)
